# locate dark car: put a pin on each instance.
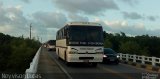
(110, 56)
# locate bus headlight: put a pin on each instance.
(104, 56)
(117, 56)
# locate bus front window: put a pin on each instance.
(85, 34)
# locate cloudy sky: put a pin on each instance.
(133, 17)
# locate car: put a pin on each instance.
(44, 45)
(110, 56)
(51, 45)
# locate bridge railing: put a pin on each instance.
(31, 71)
(142, 59)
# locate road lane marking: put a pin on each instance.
(116, 73)
(65, 71)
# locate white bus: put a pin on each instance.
(80, 42)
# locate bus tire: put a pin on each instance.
(59, 58)
(58, 55)
(65, 56)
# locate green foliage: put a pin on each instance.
(132, 48)
(4, 52)
(140, 45)
(107, 44)
(16, 53)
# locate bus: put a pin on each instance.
(80, 42)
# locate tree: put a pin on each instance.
(123, 34)
(141, 45)
(107, 44)
(132, 47)
(16, 53)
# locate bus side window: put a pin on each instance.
(65, 34)
(61, 34)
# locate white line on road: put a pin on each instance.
(65, 71)
(116, 73)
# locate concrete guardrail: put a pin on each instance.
(29, 74)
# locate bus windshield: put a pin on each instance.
(85, 34)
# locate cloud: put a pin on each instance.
(86, 6)
(51, 33)
(12, 18)
(44, 24)
(117, 26)
(53, 21)
(152, 18)
(123, 26)
(155, 32)
(1, 4)
(26, 1)
(5, 28)
(136, 16)
(102, 22)
(76, 17)
(131, 2)
(132, 15)
(50, 19)
(13, 22)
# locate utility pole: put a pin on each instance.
(30, 31)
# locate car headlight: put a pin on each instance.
(117, 56)
(104, 56)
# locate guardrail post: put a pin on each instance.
(120, 56)
(153, 61)
(134, 58)
(143, 60)
(127, 57)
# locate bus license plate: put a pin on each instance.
(85, 60)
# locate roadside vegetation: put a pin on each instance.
(16, 53)
(139, 45)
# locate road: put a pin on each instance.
(85, 71)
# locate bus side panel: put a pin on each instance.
(61, 48)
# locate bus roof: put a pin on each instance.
(84, 23)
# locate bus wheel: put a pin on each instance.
(94, 64)
(59, 58)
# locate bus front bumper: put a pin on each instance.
(85, 58)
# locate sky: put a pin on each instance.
(133, 17)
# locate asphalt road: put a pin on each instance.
(102, 71)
